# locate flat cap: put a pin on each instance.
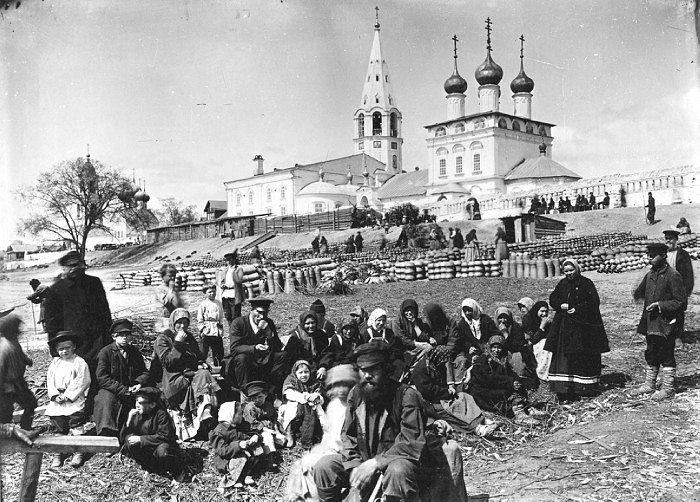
(256, 387)
(232, 254)
(497, 340)
(66, 336)
(152, 394)
(121, 325)
(671, 232)
(260, 303)
(69, 259)
(371, 354)
(656, 248)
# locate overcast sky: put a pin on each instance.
(186, 92)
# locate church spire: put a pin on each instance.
(378, 120)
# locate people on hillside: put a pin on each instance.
(651, 209)
(664, 297)
(501, 243)
(458, 239)
(471, 246)
(359, 242)
(683, 226)
(577, 337)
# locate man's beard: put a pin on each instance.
(373, 395)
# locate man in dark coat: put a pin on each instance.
(77, 302)
(384, 432)
(359, 242)
(121, 371)
(679, 259)
(148, 436)
(651, 209)
(38, 297)
(664, 298)
(256, 349)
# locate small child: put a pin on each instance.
(233, 445)
(210, 316)
(299, 414)
(259, 417)
(300, 482)
(68, 381)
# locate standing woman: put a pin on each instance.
(471, 246)
(501, 252)
(576, 337)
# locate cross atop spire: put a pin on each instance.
(455, 40)
(376, 14)
(522, 42)
(488, 34)
(88, 152)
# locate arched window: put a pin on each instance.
(238, 198)
(364, 202)
(476, 145)
(393, 125)
(502, 124)
(268, 192)
(542, 131)
(516, 125)
(394, 162)
(283, 193)
(441, 198)
(528, 128)
(477, 163)
(441, 131)
(250, 197)
(361, 125)
(479, 124)
(376, 124)
(460, 127)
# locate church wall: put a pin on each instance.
(513, 146)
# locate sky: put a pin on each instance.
(184, 93)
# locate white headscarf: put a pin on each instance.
(228, 410)
(376, 314)
(475, 323)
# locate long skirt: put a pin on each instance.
(470, 252)
(577, 374)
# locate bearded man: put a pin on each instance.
(383, 434)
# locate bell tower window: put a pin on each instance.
(361, 125)
(393, 126)
(376, 123)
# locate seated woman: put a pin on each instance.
(472, 331)
(495, 386)
(683, 226)
(519, 351)
(524, 306)
(341, 345)
(299, 415)
(188, 387)
(308, 342)
(430, 376)
(538, 322)
(377, 330)
(412, 331)
(234, 444)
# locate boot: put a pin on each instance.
(57, 461)
(649, 383)
(76, 460)
(668, 378)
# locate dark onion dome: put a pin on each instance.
(455, 84)
(488, 72)
(522, 83)
(140, 195)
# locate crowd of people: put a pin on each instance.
(540, 205)
(373, 401)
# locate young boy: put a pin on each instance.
(210, 316)
(68, 381)
(13, 363)
(121, 371)
(148, 436)
(664, 298)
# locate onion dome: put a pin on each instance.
(140, 195)
(488, 72)
(88, 170)
(522, 83)
(455, 84)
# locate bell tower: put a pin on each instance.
(378, 120)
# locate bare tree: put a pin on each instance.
(72, 199)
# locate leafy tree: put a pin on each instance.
(175, 212)
(72, 199)
(397, 213)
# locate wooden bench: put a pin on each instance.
(52, 444)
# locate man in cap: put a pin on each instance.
(148, 436)
(664, 298)
(384, 432)
(77, 302)
(679, 259)
(121, 371)
(256, 349)
(231, 284)
(38, 296)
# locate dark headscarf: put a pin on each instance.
(531, 321)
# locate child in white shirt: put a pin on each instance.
(210, 316)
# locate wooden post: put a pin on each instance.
(30, 477)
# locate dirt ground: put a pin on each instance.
(607, 448)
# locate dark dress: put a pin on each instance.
(576, 340)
